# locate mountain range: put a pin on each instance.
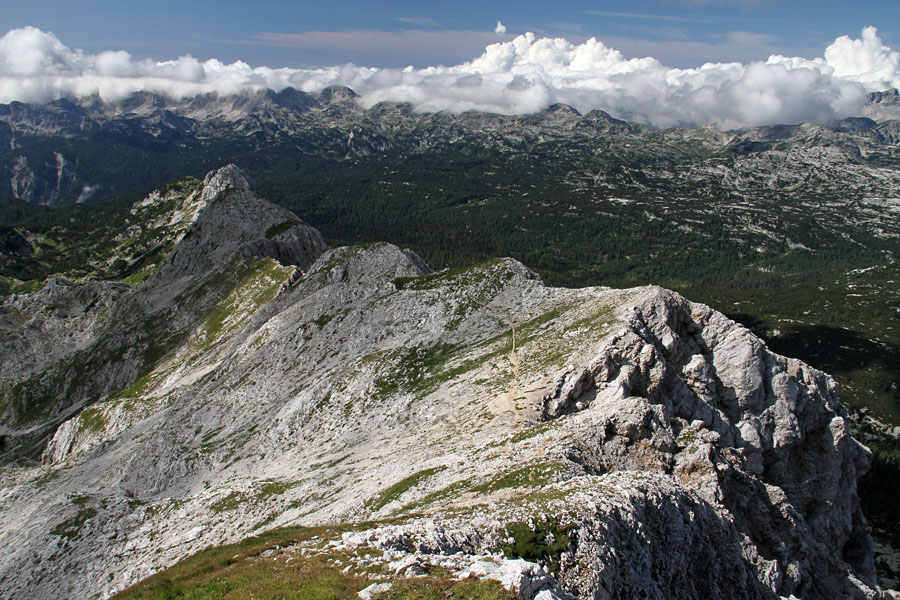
(455, 426)
(790, 229)
(51, 147)
(190, 367)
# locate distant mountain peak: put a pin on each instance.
(887, 97)
(229, 176)
(337, 93)
(561, 108)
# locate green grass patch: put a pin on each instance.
(257, 283)
(275, 488)
(436, 496)
(485, 273)
(401, 487)
(259, 567)
(417, 370)
(543, 542)
(331, 463)
(266, 490)
(70, 528)
(236, 571)
(530, 476)
(323, 320)
(532, 328)
(229, 502)
(93, 420)
(533, 431)
(437, 588)
(594, 322)
(280, 228)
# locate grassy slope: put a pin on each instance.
(271, 566)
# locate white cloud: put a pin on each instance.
(500, 29)
(523, 75)
(865, 60)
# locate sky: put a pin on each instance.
(394, 34)
(666, 62)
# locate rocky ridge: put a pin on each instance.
(283, 383)
(67, 346)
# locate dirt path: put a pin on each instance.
(506, 402)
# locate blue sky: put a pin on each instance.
(302, 34)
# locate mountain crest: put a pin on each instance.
(258, 380)
(218, 229)
(233, 218)
(229, 176)
(337, 93)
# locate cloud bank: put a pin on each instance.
(524, 75)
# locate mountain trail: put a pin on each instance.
(506, 402)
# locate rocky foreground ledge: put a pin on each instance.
(259, 380)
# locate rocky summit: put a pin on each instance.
(255, 379)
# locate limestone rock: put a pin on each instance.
(234, 218)
(528, 580)
(368, 592)
(69, 345)
(259, 380)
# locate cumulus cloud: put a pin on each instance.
(865, 60)
(500, 29)
(525, 74)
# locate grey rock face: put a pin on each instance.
(662, 529)
(356, 384)
(40, 335)
(68, 346)
(234, 217)
(687, 393)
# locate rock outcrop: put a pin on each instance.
(234, 218)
